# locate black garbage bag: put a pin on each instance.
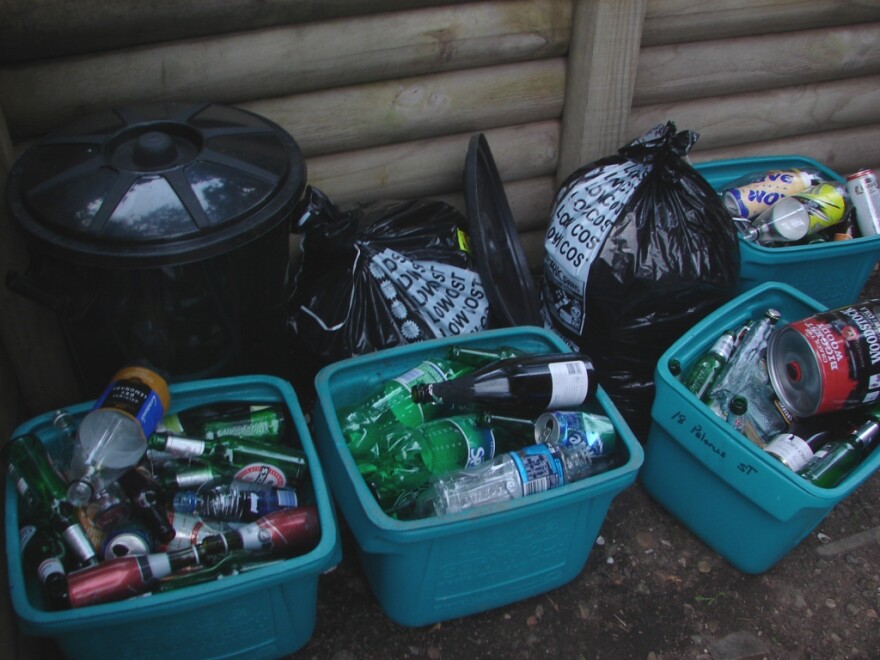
(380, 274)
(639, 248)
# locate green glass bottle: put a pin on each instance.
(266, 422)
(409, 457)
(700, 377)
(363, 424)
(253, 460)
(44, 492)
(835, 460)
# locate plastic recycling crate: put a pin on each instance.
(439, 568)
(833, 273)
(738, 499)
(266, 612)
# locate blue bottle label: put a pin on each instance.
(540, 468)
(134, 391)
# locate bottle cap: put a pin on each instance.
(79, 493)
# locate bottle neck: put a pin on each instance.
(864, 437)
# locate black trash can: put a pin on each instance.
(159, 232)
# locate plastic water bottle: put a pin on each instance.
(112, 437)
(532, 469)
(234, 501)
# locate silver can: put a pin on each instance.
(865, 195)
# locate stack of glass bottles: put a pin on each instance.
(198, 494)
(445, 422)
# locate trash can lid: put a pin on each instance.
(499, 256)
(155, 184)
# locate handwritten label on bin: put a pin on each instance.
(703, 435)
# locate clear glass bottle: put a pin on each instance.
(535, 382)
(112, 437)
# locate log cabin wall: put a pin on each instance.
(383, 97)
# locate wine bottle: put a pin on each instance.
(835, 460)
(536, 382)
(793, 451)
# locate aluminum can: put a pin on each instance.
(829, 361)
(128, 539)
(575, 427)
(865, 197)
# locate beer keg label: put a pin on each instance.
(829, 361)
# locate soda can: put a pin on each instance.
(575, 427)
(129, 539)
(829, 361)
(865, 197)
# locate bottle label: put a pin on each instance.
(184, 447)
(25, 534)
(262, 473)
(49, 567)
(539, 467)
(570, 384)
(791, 450)
(261, 424)
(140, 393)
(190, 531)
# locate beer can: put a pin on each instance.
(829, 361)
(865, 196)
(128, 539)
(576, 427)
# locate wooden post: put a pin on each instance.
(602, 60)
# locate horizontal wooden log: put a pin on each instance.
(33, 29)
(768, 115)
(529, 201)
(677, 21)
(733, 66)
(844, 151)
(425, 168)
(374, 114)
(282, 61)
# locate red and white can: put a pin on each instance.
(829, 361)
(865, 195)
